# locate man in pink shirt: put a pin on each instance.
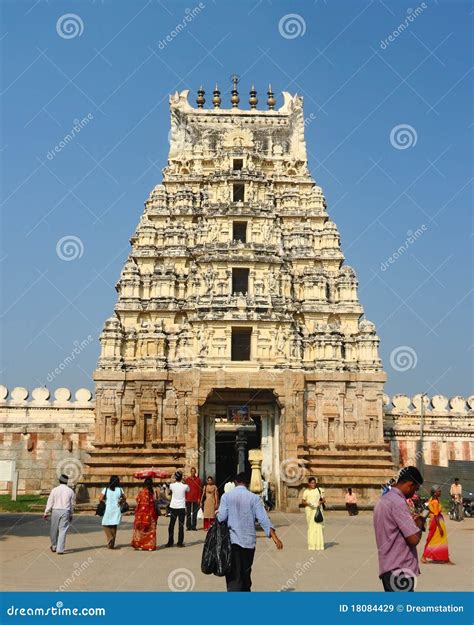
(61, 506)
(397, 533)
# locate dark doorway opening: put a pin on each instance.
(227, 458)
(239, 231)
(241, 338)
(238, 192)
(240, 281)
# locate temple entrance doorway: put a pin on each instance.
(232, 422)
(233, 442)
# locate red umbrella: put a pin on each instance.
(152, 473)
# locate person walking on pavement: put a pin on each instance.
(241, 509)
(193, 499)
(114, 498)
(60, 506)
(177, 509)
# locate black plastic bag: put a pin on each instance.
(223, 550)
(216, 554)
(318, 515)
(208, 560)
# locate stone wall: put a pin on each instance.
(48, 433)
(448, 429)
(44, 436)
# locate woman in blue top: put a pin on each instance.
(114, 498)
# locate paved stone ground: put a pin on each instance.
(349, 562)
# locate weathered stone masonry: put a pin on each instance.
(45, 434)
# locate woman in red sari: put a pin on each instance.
(436, 548)
(144, 526)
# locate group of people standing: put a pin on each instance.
(187, 497)
(398, 526)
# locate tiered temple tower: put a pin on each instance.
(237, 324)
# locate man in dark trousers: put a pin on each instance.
(241, 508)
(193, 497)
(177, 509)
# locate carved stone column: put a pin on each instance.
(99, 417)
(380, 436)
(340, 435)
(158, 435)
(359, 412)
(113, 422)
(255, 459)
(320, 430)
(139, 418)
(181, 410)
(118, 412)
(241, 445)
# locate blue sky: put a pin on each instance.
(388, 134)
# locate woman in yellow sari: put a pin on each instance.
(313, 500)
(436, 548)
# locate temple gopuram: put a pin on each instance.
(238, 338)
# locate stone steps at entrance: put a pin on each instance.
(368, 479)
(124, 461)
(346, 453)
(349, 462)
(158, 462)
(167, 457)
(351, 471)
(139, 453)
(365, 469)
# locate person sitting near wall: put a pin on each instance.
(351, 503)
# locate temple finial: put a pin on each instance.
(253, 101)
(235, 94)
(216, 97)
(200, 100)
(271, 98)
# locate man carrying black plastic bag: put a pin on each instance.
(240, 509)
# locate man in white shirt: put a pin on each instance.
(456, 495)
(60, 505)
(177, 509)
(456, 490)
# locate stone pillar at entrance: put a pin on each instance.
(209, 433)
(255, 459)
(241, 445)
